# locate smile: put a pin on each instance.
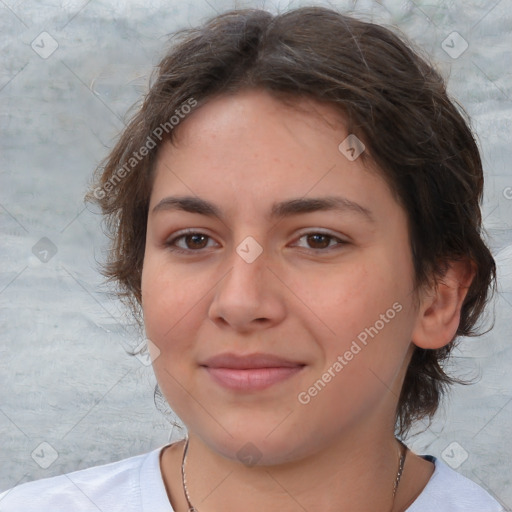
(250, 373)
(253, 379)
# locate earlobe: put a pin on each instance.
(439, 311)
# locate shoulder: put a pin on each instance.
(116, 486)
(449, 491)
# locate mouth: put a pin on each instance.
(250, 373)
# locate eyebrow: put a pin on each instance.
(282, 209)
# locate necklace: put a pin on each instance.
(191, 508)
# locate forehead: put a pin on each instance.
(251, 112)
(253, 147)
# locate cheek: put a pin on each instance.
(171, 306)
(349, 296)
(168, 315)
(165, 300)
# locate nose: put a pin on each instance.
(249, 296)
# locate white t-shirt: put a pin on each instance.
(135, 484)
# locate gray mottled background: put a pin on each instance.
(69, 72)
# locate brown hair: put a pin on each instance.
(392, 99)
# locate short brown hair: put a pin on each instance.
(393, 100)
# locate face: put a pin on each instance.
(282, 320)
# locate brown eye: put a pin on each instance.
(195, 241)
(189, 242)
(319, 240)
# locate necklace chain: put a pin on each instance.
(403, 452)
(191, 508)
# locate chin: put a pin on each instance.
(253, 446)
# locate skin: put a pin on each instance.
(303, 298)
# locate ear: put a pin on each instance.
(439, 312)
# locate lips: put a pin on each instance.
(248, 362)
(250, 372)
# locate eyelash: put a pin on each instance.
(170, 244)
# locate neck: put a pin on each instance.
(355, 473)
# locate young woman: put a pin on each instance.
(295, 213)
